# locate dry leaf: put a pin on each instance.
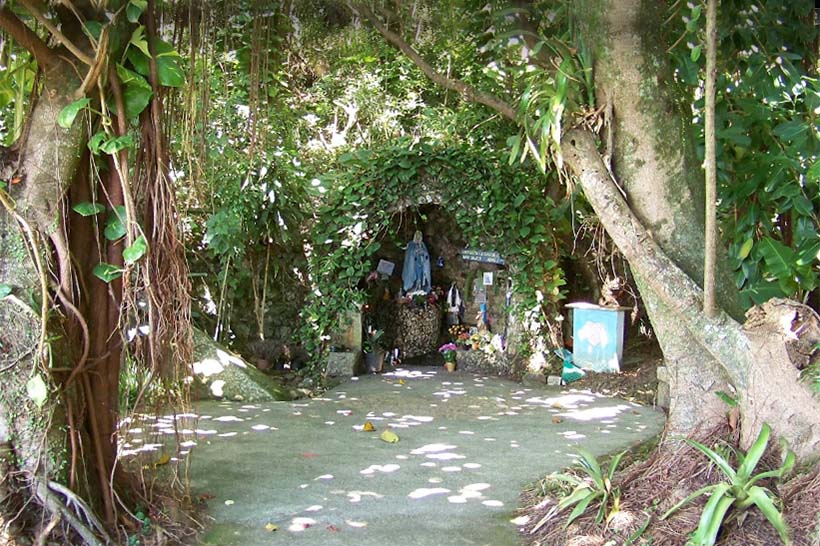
(401, 381)
(389, 436)
(270, 527)
(332, 528)
(556, 420)
(557, 405)
(368, 427)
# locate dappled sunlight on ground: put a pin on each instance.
(466, 445)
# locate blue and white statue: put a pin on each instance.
(416, 272)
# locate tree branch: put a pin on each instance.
(76, 51)
(27, 38)
(468, 92)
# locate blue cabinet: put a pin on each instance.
(597, 336)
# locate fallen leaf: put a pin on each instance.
(270, 527)
(333, 528)
(229, 502)
(205, 496)
(389, 436)
(368, 427)
(401, 381)
(556, 420)
(308, 455)
(557, 405)
(165, 459)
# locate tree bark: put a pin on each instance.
(769, 392)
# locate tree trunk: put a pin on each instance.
(653, 159)
(760, 359)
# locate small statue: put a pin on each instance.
(416, 272)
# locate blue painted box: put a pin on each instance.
(597, 336)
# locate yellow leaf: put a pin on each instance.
(389, 436)
(401, 381)
(165, 459)
(368, 427)
(270, 527)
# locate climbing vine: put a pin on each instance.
(497, 206)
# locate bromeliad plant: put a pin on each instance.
(596, 487)
(738, 492)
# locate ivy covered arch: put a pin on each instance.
(494, 204)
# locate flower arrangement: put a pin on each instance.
(456, 330)
(448, 351)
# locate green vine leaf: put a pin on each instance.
(5, 290)
(96, 141)
(134, 9)
(135, 251)
(115, 224)
(114, 145)
(65, 118)
(107, 272)
(88, 209)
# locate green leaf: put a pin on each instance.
(790, 130)
(137, 91)
(135, 9)
(135, 251)
(114, 145)
(744, 471)
(37, 390)
(695, 54)
(613, 465)
(94, 29)
(593, 469)
(689, 498)
(719, 461)
(88, 209)
(762, 500)
(711, 519)
(95, 141)
(115, 224)
(778, 257)
(5, 290)
(169, 67)
(727, 398)
(107, 272)
(170, 72)
(745, 249)
(524, 231)
(579, 509)
(67, 115)
(138, 40)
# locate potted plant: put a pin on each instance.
(448, 351)
(373, 351)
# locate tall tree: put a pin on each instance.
(77, 247)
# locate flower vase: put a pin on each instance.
(450, 365)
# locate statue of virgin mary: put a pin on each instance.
(416, 272)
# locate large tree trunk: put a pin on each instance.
(659, 228)
(653, 160)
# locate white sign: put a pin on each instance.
(488, 278)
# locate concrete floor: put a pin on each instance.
(468, 445)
